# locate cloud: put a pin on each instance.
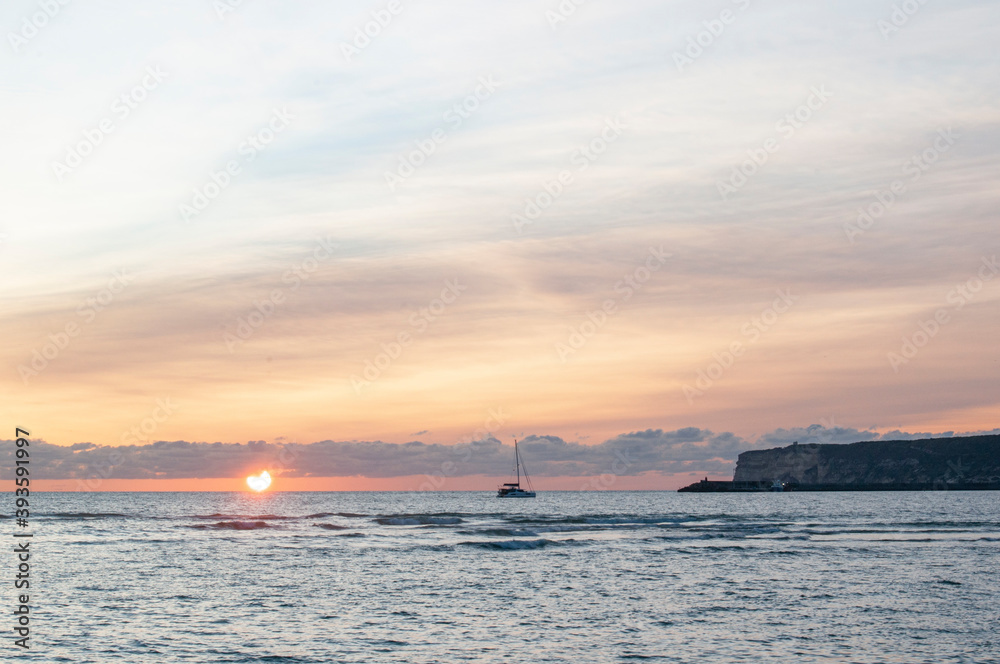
(902, 435)
(815, 433)
(629, 454)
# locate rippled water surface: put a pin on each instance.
(465, 577)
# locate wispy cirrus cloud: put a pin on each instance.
(655, 185)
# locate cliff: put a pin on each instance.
(972, 462)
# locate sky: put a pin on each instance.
(374, 232)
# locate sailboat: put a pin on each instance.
(513, 489)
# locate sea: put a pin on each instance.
(466, 577)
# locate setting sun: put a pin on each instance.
(259, 482)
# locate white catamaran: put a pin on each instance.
(513, 489)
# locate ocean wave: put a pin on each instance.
(515, 545)
(278, 659)
(631, 521)
(323, 515)
(603, 520)
(236, 525)
(697, 537)
(500, 532)
(275, 517)
(543, 520)
(247, 517)
(735, 547)
(568, 528)
(681, 538)
(418, 520)
(330, 526)
(82, 515)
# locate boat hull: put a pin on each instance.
(513, 489)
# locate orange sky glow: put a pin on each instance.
(573, 264)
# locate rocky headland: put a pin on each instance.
(971, 462)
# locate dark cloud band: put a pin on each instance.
(629, 454)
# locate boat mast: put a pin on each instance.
(517, 463)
